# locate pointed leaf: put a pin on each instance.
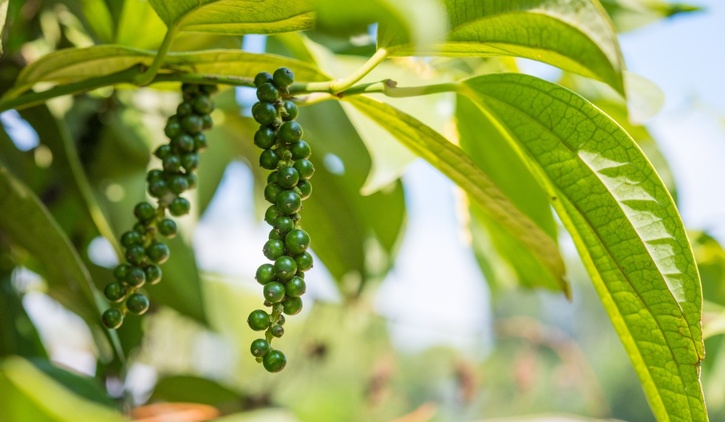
(482, 141)
(628, 15)
(454, 163)
(573, 35)
(73, 65)
(624, 224)
(236, 17)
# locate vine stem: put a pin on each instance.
(148, 76)
(340, 85)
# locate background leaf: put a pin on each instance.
(629, 15)
(624, 223)
(455, 164)
(574, 35)
(236, 17)
(3, 16)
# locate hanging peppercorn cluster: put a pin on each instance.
(286, 154)
(143, 250)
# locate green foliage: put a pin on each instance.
(516, 145)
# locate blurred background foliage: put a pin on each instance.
(79, 168)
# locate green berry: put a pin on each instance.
(274, 361)
(272, 177)
(271, 214)
(304, 261)
(297, 241)
(179, 206)
(277, 330)
(285, 267)
(292, 305)
(190, 161)
(291, 109)
(305, 188)
(200, 142)
(283, 77)
(265, 273)
(258, 320)
(144, 211)
(273, 249)
(167, 227)
(158, 188)
(296, 287)
(259, 347)
(203, 104)
(271, 191)
(305, 168)
(189, 90)
(171, 163)
(136, 277)
(135, 254)
(265, 137)
(163, 151)
(158, 252)
(281, 320)
(114, 292)
(154, 175)
(131, 238)
(288, 202)
(287, 177)
(267, 92)
(274, 234)
(192, 123)
(120, 271)
(262, 78)
(268, 159)
(207, 122)
(191, 177)
(137, 303)
(153, 274)
(290, 132)
(172, 128)
(284, 224)
(264, 113)
(183, 142)
(112, 318)
(300, 149)
(208, 89)
(184, 109)
(178, 184)
(273, 292)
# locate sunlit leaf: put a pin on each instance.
(73, 65)
(455, 164)
(573, 35)
(416, 22)
(138, 17)
(236, 17)
(482, 141)
(192, 389)
(98, 16)
(628, 15)
(30, 395)
(625, 226)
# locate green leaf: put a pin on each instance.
(30, 395)
(628, 15)
(417, 22)
(98, 17)
(138, 17)
(78, 64)
(192, 389)
(625, 226)
(491, 152)
(235, 17)
(29, 224)
(3, 17)
(455, 164)
(18, 335)
(573, 35)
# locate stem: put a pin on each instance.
(339, 85)
(148, 76)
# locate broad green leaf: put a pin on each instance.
(83, 386)
(98, 17)
(192, 389)
(710, 257)
(73, 65)
(29, 224)
(625, 226)
(628, 15)
(235, 17)
(454, 163)
(18, 335)
(416, 22)
(3, 17)
(574, 35)
(491, 152)
(138, 17)
(30, 395)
